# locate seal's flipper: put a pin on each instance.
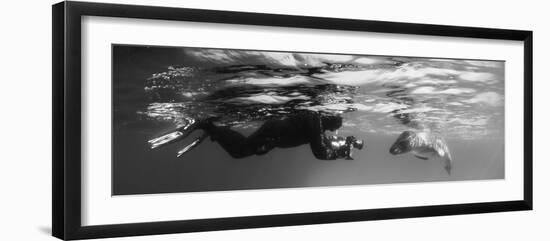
(448, 165)
(193, 144)
(421, 157)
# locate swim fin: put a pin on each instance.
(193, 144)
(174, 136)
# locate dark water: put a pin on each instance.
(156, 89)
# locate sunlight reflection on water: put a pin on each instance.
(462, 97)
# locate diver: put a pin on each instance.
(303, 127)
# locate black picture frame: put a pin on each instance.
(66, 167)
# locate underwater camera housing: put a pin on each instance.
(343, 147)
(352, 142)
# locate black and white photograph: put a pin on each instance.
(192, 119)
(207, 120)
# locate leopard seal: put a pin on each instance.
(423, 145)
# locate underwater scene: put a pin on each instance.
(189, 119)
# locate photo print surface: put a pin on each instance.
(189, 119)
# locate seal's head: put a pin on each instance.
(403, 143)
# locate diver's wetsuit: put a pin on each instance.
(301, 128)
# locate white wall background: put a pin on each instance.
(25, 101)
